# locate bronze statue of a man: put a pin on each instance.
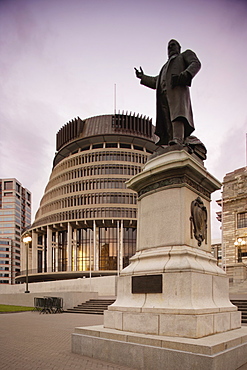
(174, 118)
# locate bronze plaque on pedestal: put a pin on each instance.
(147, 284)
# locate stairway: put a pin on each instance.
(92, 307)
(242, 306)
(98, 306)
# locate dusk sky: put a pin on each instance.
(60, 59)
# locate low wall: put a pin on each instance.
(73, 292)
(70, 299)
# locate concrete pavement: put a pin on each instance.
(32, 341)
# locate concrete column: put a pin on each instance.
(118, 249)
(56, 252)
(34, 265)
(96, 246)
(23, 257)
(43, 253)
(121, 246)
(91, 265)
(49, 249)
(74, 250)
(69, 247)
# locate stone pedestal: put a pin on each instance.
(173, 287)
(193, 299)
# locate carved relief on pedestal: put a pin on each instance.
(198, 220)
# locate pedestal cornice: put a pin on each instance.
(174, 169)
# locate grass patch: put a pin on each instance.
(12, 308)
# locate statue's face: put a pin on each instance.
(173, 48)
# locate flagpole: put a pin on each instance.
(115, 98)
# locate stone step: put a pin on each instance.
(73, 310)
(93, 306)
(242, 303)
(89, 308)
(98, 303)
(242, 306)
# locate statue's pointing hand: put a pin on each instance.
(140, 73)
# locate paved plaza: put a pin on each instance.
(33, 341)
(30, 341)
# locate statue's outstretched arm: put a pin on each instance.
(148, 81)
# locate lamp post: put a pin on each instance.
(240, 242)
(27, 240)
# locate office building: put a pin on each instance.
(232, 253)
(234, 216)
(15, 216)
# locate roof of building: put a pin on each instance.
(80, 134)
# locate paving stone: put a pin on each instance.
(33, 341)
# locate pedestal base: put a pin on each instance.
(193, 301)
(225, 351)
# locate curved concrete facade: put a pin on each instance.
(87, 217)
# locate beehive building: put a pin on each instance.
(86, 222)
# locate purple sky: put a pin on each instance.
(60, 59)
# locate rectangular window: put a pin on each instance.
(7, 218)
(18, 188)
(137, 147)
(241, 220)
(8, 185)
(126, 146)
(97, 146)
(111, 145)
(6, 224)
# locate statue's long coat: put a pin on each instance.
(178, 98)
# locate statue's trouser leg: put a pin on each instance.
(163, 124)
(178, 131)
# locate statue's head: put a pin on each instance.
(173, 47)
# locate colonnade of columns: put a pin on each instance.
(52, 257)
